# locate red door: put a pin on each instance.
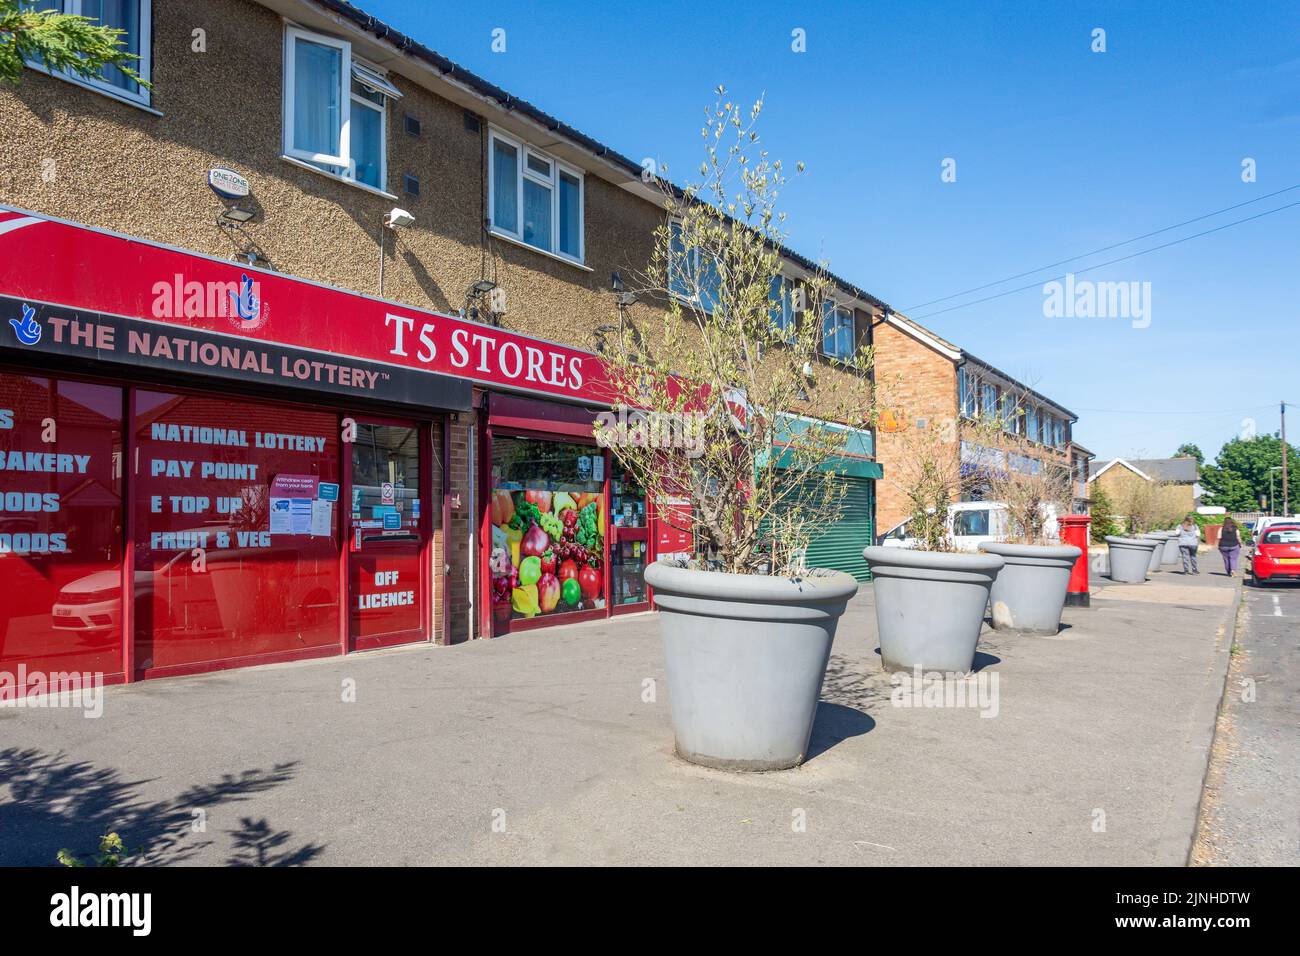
(388, 536)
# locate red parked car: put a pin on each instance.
(1276, 555)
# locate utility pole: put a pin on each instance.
(1286, 497)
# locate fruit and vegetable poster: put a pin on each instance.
(548, 551)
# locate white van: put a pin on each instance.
(970, 524)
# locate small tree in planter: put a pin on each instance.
(930, 600)
(707, 407)
(1024, 476)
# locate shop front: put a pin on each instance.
(567, 532)
(202, 467)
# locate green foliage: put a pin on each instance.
(61, 41)
(1188, 450)
(1103, 516)
(1239, 478)
(111, 853)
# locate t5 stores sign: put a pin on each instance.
(49, 261)
(95, 336)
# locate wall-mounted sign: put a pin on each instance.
(227, 183)
(191, 294)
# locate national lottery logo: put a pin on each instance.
(27, 330)
(246, 304)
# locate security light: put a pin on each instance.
(236, 215)
(482, 286)
(397, 218)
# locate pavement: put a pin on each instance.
(555, 747)
(1249, 816)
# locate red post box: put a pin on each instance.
(1074, 530)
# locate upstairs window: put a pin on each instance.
(837, 332)
(692, 275)
(335, 109)
(534, 198)
(781, 298)
(134, 17)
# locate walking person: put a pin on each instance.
(1189, 539)
(1230, 546)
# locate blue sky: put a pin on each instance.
(1059, 150)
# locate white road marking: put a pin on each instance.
(1277, 606)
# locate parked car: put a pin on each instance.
(970, 524)
(1275, 555)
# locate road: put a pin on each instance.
(1249, 815)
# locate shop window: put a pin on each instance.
(535, 199)
(628, 549)
(134, 19)
(236, 532)
(548, 528)
(335, 109)
(60, 526)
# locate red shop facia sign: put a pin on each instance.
(54, 263)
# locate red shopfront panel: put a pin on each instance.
(60, 525)
(236, 531)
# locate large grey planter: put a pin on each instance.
(1170, 553)
(930, 606)
(1029, 592)
(1129, 559)
(745, 656)
(1157, 552)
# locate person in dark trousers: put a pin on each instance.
(1230, 546)
(1189, 539)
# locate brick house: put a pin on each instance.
(932, 382)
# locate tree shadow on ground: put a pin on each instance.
(54, 802)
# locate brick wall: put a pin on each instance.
(914, 382)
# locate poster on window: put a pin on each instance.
(547, 554)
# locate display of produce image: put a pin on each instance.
(548, 550)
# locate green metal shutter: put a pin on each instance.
(840, 547)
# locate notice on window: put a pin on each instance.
(322, 518)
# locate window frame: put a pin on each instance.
(523, 151)
(833, 310)
(144, 66)
(784, 326)
(342, 160)
(358, 99)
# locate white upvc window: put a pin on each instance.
(781, 298)
(693, 275)
(535, 198)
(135, 18)
(837, 332)
(335, 108)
